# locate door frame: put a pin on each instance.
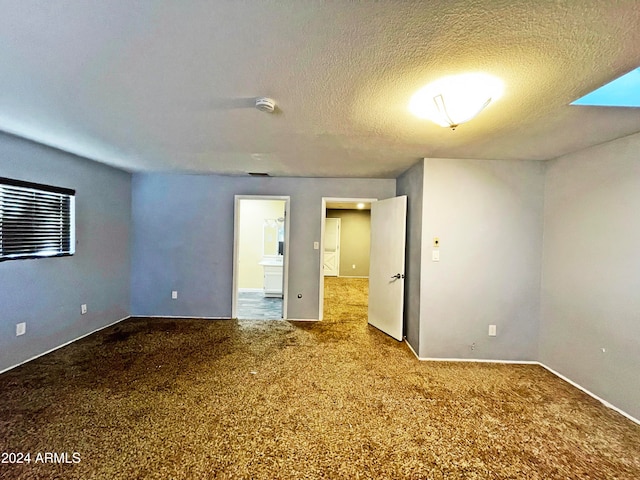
(323, 215)
(236, 238)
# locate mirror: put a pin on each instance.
(273, 237)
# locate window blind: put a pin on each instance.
(35, 220)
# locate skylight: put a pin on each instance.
(624, 91)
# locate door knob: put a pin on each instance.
(398, 276)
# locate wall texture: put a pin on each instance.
(47, 293)
(411, 184)
(355, 241)
(488, 216)
(183, 239)
(591, 271)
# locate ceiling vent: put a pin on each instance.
(265, 104)
(258, 174)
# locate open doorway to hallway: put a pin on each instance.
(346, 299)
(345, 259)
(260, 257)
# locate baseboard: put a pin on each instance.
(479, 360)
(591, 394)
(186, 317)
(226, 318)
(352, 276)
(64, 344)
(529, 362)
(411, 348)
(472, 360)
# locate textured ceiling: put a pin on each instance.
(168, 85)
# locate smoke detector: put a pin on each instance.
(265, 104)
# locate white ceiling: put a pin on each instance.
(168, 85)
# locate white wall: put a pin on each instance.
(488, 215)
(591, 271)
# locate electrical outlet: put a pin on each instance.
(174, 294)
(21, 328)
(83, 308)
(316, 245)
(353, 266)
(493, 331)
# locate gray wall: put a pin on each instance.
(355, 241)
(183, 239)
(411, 184)
(591, 271)
(488, 215)
(47, 293)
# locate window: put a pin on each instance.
(35, 220)
(624, 91)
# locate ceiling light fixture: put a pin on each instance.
(360, 206)
(455, 99)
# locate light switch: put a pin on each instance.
(316, 245)
(435, 255)
(492, 330)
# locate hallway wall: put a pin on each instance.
(355, 241)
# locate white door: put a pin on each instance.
(386, 265)
(331, 260)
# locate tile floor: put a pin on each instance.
(255, 306)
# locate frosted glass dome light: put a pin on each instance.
(456, 99)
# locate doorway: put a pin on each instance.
(344, 248)
(331, 250)
(260, 257)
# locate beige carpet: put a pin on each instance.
(195, 399)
